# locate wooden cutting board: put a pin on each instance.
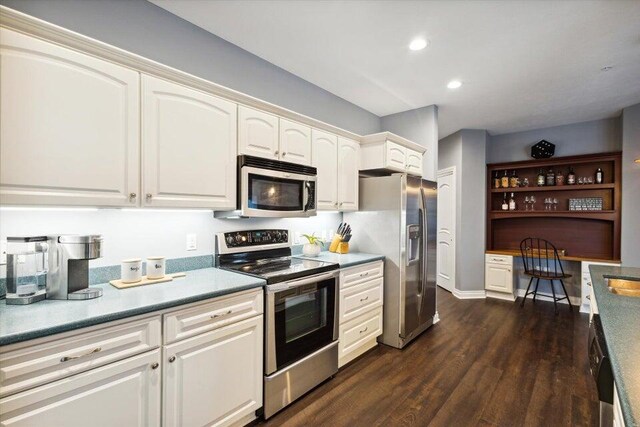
(169, 277)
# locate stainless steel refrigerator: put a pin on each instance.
(397, 218)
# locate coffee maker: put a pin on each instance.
(68, 272)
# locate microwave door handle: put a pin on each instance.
(305, 201)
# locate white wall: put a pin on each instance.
(630, 240)
(144, 232)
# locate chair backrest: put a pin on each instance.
(540, 257)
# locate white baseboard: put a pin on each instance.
(436, 318)
(501, 295)
(575, 301)
(469, 294)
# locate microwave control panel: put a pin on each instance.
(238, 239)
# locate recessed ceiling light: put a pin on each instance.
(454, 84)
(418, 44)
(607, 68)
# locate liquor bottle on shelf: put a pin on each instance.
(512, 203)
(496, 180)
(504, 182)
(505, 204)
(513, 181)
(541, 178)
(559, 178)
(551, 177)
(599, 176)
(571, 177)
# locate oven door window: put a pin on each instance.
(275, 194)
(304, 320)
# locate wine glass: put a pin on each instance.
(526, 203)
(533, 202)
(555, 204)
(590, 180)
(580, 180)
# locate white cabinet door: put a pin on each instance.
(215, 378)
(295, 142)
(189, 141)
(396, 156)
(414, 162)
(325, 159)
(498, 278)
(257, 133)
(348, 169)
(124, 393)
(69, 126)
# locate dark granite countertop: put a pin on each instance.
(48, 317)
(345, 260)
(620, 316)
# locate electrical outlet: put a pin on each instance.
(192, 243)
(3, 252)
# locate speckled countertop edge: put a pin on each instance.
(345, 260)
(620, 317)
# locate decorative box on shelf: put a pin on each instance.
(586, 204)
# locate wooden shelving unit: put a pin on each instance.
(582, 234)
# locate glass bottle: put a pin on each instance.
(513, 181)
(599, 176)
(496, 180)
(559, 178)
(541, 178)
(505, 204)
(571, 177)
(505, 180)
(551, 177)
(512, 203)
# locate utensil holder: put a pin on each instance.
(337, 239)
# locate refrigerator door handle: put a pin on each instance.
(423, 246)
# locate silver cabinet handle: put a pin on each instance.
(364, 330)
(155, 365)
(132, 196)
(67, 358)
(149, 196)
(364, 274)
(172, 359)
(364, 299)
(228, 312)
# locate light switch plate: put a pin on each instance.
(192, 243)
(3, 252)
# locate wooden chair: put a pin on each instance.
(541, 261)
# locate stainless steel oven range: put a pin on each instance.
(301, 311)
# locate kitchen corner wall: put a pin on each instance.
(631, 186)
(150, 31)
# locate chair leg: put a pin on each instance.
(553, 291)
(567, 295)
(535, 291)
(526, 292)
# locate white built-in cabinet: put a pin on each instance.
(257, 133)
(69, 126)
(295, 142)
(386, 151)
(586, 284)
(189, 147)
(499, 277)
(325, 160)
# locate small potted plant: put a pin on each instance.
(314, 246)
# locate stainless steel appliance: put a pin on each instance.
(397, 218)
(600, 367)
(301, 311)
(271, 188)
(68, 272)
(26, 269)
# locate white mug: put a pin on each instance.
(131, 270)
(155, 267)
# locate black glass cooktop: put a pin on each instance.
(280, 269)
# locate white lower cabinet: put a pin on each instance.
(124, 393)
(499, 277)
(214, 379)
(586, 299)
(360, 318)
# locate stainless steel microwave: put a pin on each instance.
(271, 188)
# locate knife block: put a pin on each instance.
(343, 248)
(337, 239)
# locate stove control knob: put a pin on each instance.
(285, 237)
(230, 240)
(278, 237)
(239, 238)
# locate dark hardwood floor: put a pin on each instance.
(487, 362)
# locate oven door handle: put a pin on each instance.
(279, 287)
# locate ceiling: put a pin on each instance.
(523, 64)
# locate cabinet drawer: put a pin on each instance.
(358, 299)
(353, 275)
(499, 259)
(357, 332)
(36, 365)
(212, 315)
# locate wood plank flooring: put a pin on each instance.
(487, 363)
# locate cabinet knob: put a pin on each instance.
(276, 153)
(588, 297)
(155, 365)
(588, 283)
(149, 196)
(340, 203)
(284, 153)
(172, 359)
(132, 196)
(335, 204)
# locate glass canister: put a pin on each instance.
(26, 269)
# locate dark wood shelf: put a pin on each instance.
(608, 215)
(576, 187)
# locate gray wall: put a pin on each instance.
(631, 186)
(148, 30)
(595, 136)
(420, 126)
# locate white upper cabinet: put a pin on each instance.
(391, 152)
(69, 127)
(396, 157)
(295, 142)
(257, 133)
(414, 162)
(325, 160)
(348, 169)
(189, 146)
